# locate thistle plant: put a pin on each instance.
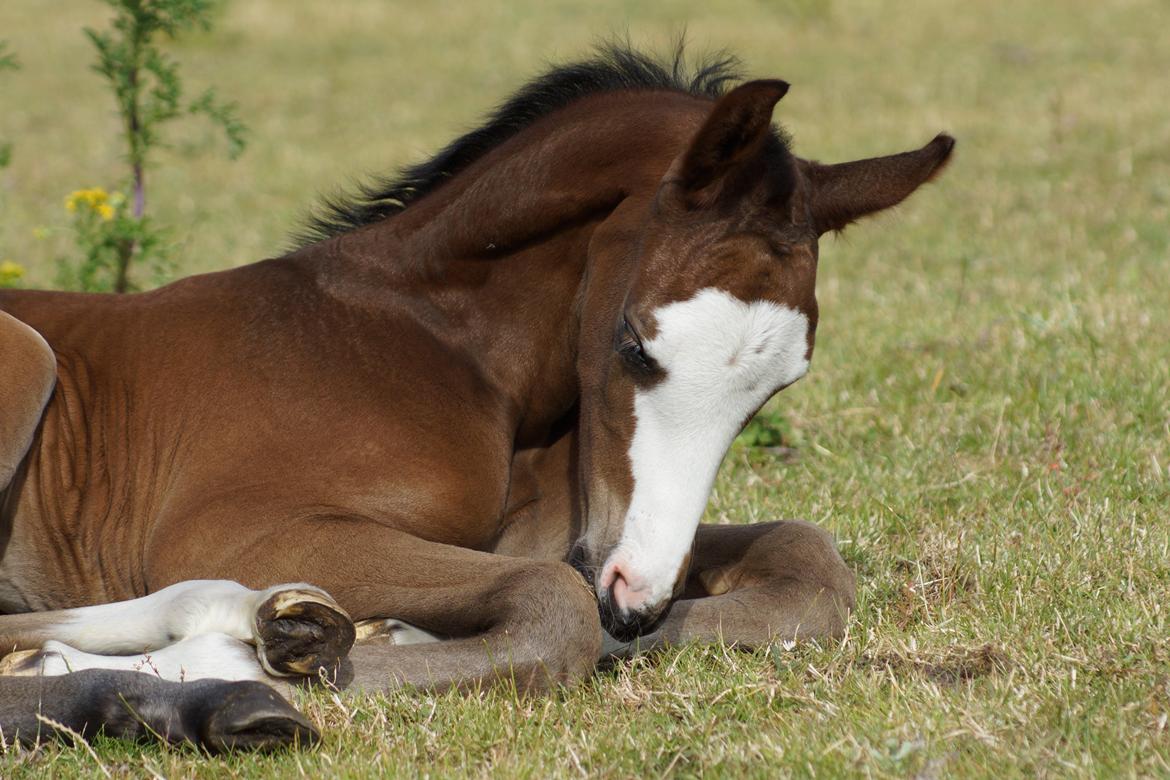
(149, 93)
(108, 233)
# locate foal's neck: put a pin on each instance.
(502, 249)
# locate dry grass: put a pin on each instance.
(986, 427)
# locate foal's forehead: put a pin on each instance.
(750, 267)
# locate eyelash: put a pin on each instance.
(629, 346)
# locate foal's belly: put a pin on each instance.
(61, 547)
(44, 564)
(74, 520)
(21, 589)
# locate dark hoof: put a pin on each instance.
(252, 716)
(301, 631)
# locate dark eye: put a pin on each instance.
(629, 346)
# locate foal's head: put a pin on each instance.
(707, 310)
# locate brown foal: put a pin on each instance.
(480, 410)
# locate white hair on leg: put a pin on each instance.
(206, 656)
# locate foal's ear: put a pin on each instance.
(736, 130)
(846, 192)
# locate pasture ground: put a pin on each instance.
(985, 427)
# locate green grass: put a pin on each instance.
(986, 427)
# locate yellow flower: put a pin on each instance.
(106, 211)
(93, 198)
(10, 271)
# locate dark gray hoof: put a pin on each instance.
(301, 632)
(252, 716)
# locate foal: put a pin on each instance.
(481, 410)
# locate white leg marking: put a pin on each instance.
(183, 610)
(216, 656)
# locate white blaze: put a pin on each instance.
(723, 357)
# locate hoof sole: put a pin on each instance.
(301, 632)
(22, 663)
(251, 716)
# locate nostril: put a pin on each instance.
(609, 575)
(621, 592)
(615, 580)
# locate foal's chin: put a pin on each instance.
(626, 626)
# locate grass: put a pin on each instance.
(986, 427)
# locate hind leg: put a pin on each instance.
(753, 584)
(213, 714)
(28, 372)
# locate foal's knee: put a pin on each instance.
(558, 616)
(30, 367)
(823, 562)
(30, 372)
(814, 559)
(798, 563)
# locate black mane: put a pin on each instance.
(613, 67)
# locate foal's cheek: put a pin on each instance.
(613, 430)
(604, 469)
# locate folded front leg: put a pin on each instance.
(534, 623)
(749, 585)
